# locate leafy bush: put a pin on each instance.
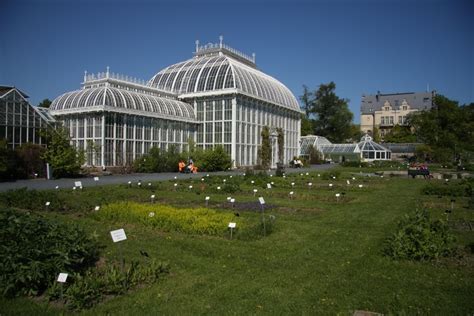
(84, 291)
(330, 174)
(354, 164)
(29, 199)
(168, 218)
(65, 159)
(214, 160)
(158, 160)
(33, 250)
(420, 238)
(459, 188)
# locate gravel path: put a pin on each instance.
(43, 184)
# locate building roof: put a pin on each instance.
(367, 144)
(416, 101)
(216, 67)
(6, 89)
(120, 100)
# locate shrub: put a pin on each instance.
(168, 218)
(214, 160)
(34, 250)
(64, 158)
(459, 188)
(354, 164)
(420, 238)
(84, 291)
(330, 174)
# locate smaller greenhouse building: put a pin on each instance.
(365, 150)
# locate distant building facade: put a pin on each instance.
(20, 122)
(384, 111)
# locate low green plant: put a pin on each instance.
(33, 250)
(420, 238)
(168, 218)
(85, 291)
(456, 188)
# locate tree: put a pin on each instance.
(333, 118)
(400, 134)
(447, 128)
(356, 133)
(46, 103)
(376, 134)
(307, 99)
(307, 125)
(265, 149)
(65, 159)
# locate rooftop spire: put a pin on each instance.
(221, 38)
(85, 75)
(197, 45)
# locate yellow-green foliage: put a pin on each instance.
(168, 218)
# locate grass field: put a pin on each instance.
(323, 256)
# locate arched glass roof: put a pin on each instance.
(119, 98)
(221, 72)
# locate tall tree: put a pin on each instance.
(46, 103)
(333, 117)
(447, 128)
(307, 125)
(400, 134)
(307, 99)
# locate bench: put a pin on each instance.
(419, 172)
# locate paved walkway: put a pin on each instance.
(43, 184)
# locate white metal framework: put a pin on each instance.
(218, 97)
(20, 122)
(366, 149)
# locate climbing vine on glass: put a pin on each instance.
(281, 144)
(266, 149)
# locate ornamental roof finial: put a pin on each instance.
(85, 75)
(107, 73)
(197, 45)
(221, 38)
(253, 57)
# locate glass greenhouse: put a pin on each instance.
(20, 122)
(218, 97)
(366, 149)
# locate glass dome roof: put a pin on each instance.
(130, 101)
(367, 144)
(220, 71)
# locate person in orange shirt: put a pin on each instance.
(181, 166)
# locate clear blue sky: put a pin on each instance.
(363, 46)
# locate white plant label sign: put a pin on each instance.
(232, 200)
(78, 184)
(269, 186)
(261, 200)
(47, 203)
(97, 208)
(118, 235)
(207, 198)
(96, 179)
(62, 277)
(232, 225)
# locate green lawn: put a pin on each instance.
(323, 257)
